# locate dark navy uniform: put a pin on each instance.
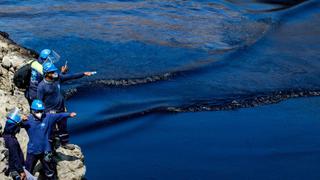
(39, 147)
(16, 159)
(50, 94)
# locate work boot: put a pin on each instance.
(56, 143)
(68, 146)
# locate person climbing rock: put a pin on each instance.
(39, 126)
(16, 158)
(37, 72)
(50, 93)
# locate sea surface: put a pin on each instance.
(185, 89)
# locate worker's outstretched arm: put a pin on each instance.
(60, 116)
(67, 77)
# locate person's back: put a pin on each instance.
(35, 79)
(36, 75)
(11, 129)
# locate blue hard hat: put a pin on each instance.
(13, 118)
(49, 67)
(45, 53)
(37, 105)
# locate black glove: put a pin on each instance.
(48, 156)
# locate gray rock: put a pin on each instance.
(6, 62)
(12, 61)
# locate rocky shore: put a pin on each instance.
(70, 162)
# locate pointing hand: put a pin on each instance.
(64, 69)
(73, 114)
(90, 73)
(24, 118)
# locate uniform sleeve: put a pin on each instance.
(60, 116)
(25, 124)
(67, 77)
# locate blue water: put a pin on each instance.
(269, 142)
(155, 57)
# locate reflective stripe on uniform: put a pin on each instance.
(37, 66)
(63, 135)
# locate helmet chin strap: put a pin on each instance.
(41, 60)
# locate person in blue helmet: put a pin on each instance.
(39, 126)
(49, 92)
(16, 158)
(37, 74)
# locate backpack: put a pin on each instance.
(22, 76)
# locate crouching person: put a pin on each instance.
(16, 159)
(39, 126)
